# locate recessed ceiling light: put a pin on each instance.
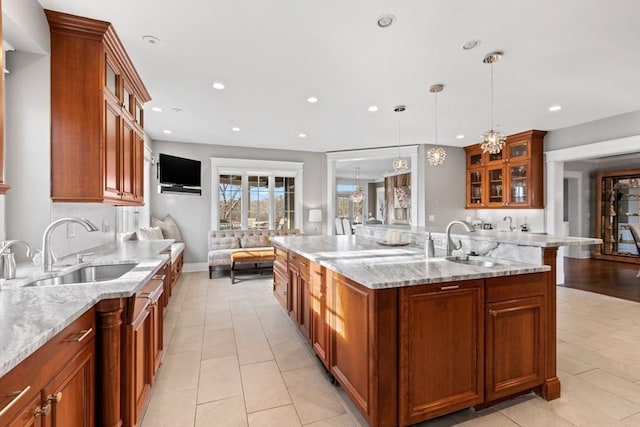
(156, 109)
(302, 135)
(312, 99)
(461, 136)
(218, 85)
(373, 108)
(167, 131)
(235, 129)
(386, 20)
(151, 39)
(555, 108)
(176, 110)
(471, 44)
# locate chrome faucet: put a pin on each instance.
(7, 261)
(511, 226)
(451, 243)
(47, 253)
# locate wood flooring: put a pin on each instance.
(616, 279)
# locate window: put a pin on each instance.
(253, 194)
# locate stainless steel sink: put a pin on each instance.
(92, 273)
(472, 261)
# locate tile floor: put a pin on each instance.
(233, 358)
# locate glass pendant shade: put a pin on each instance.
(358, 195)
(492, 141)
(437, 154)
(400, 164)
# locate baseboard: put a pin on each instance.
(192, 267)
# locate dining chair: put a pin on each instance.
(346, 225)
(635, 233)
(339, 226)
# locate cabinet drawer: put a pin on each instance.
(280, 287)
(24, 382)
(282, 256)
(511, 287)
(299, 263)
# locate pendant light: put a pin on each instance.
(436, 155)
(492, 141)
(358, 195)
(400, 163)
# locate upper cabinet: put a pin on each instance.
(97, 116)
(512, 178)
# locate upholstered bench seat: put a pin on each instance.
(254, 256)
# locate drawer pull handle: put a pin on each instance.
(319, 273)
(446, 288)
(57, 397)
(18, 396)
(83, 336)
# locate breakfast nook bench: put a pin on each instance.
(256, 257)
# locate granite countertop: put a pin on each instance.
(501, 236)
(375, 266)
(31, 316)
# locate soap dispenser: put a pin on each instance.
(429, 249)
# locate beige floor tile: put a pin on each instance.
(584, 415)
(263, 386)
(219, 379)
(253, 347)
(625, 389)
(599, 398)
(533, 413)
(495, 419)
(227, 413)
(218, 343)
(217, 320)
(632, 421)
(176, 408)
(284, 416)
(312, 394)
(627, 353)
(179, 371)
(291, 353)
(186, 339)
(191, 318)
(600, 361)
(344, 420)
(571, 365)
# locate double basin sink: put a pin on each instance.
(91, 273)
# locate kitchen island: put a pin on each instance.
(411, 339)
(62, 345)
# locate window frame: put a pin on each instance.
(246, 168)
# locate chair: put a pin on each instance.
(346, 225)
(635, 233)
(339, 227)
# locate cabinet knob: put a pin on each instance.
(57, 397)
(43, 410)
(493, 313)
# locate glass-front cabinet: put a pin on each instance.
(512, 178)
(617, 211)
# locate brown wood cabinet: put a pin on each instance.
(97, 137)
(319, 313)
(55, 386)
(441, 349)
(299, 293)
(512, 178)
(281, 275)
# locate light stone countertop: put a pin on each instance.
(31, 316)
(375, 266)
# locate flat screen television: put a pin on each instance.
(178, 171)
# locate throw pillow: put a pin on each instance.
(168, 226)
(255, 241)
(150, 233)
(224, 243)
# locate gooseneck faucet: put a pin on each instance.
(511, 226)
(47, 254)
(451, 243)
(7, 262)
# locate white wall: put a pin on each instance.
(445, 187)
(193, 213)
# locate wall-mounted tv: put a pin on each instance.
(178, 171)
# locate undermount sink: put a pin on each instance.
(92, 273)
(472, 261)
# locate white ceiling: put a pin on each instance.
(273, 55)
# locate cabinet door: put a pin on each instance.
(475, 157)
(519, 184)
(280, 287)
(112, 164)
(32, 415)
(475, 188)
(304, 316)
(71, 394)
(495, 159)
(514, 346)
(518, 150)
(293, 297)
(141, 365)
(127, 155)
(138, 168)
(495, 186)
(441, 349)
(318, 302)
